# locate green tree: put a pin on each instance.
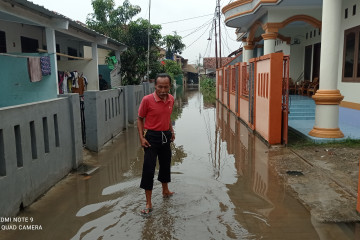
(171, 67)
(173, 44)
(109, 20)
(134, 60)
(117, 23)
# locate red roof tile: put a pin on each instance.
(210, 63)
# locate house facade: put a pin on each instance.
(41, 127)
(323, 42)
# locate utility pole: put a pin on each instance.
(219, 15)
(216, 56)
(148, 55)
(199, 70)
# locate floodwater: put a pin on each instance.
(224, 189)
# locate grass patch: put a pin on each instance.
(299, 141)
(208, 89)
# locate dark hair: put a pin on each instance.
(163, 75)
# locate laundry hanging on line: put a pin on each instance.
(34, 69)
(72, 82)
(45, 65)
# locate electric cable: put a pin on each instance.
(197, 38)
(227, 33)
(185, 19)
(202, 26)
(225, 43)
(209, 42)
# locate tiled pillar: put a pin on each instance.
(328, 97)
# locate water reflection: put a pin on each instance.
(224, 185)
(262, 204)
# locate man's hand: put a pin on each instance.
(144, 142)
(172, 137)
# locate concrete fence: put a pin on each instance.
(253, 92)
(134, 97)
(106, 115)
(39, 144)
(148, 88)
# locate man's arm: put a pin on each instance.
(172, 131)
(140, 126)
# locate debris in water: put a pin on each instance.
(295, 173)
(86, 169)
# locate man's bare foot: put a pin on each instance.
(167, 194)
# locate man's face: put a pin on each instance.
(162, 87)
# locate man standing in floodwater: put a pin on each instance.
(156, 133)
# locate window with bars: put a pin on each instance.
(29, 45)
(351, 59)
(227, 74)
(233, 80)
(245, 82)
(2, 42)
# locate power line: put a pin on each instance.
(189, 29)
(207, 22)
(227, 33)
(198, 37)
(185, 19)
(209, 42)
(226, 40)
(225, 43)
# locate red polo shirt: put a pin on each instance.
(156, 112)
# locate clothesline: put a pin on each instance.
(44, 51)
(65, 55)
(19, 56)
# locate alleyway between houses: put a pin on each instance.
(224, 189)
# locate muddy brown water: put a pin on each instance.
(224, 189)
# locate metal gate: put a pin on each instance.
(82, 116)
(285, 100)
(251, 71)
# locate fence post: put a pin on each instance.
(358, 194)
(75, 120)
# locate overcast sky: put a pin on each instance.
(162, 12)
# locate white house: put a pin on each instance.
(322, 38)
(40, 130)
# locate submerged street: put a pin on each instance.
(224, 188)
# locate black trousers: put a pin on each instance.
(160, 148)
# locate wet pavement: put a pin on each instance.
(224, 187)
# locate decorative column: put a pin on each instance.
(259, 50)
(117, 55)
(269, 42)
(51, 48)
(328, 97)
(93, 73)
(248, 51)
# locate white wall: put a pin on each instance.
(14, 31)
(66, 42)
(280, 14)
(282, 46)
(296, 62)
(102, 53)
(349, 90)
(82, 66)
(297, 51)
